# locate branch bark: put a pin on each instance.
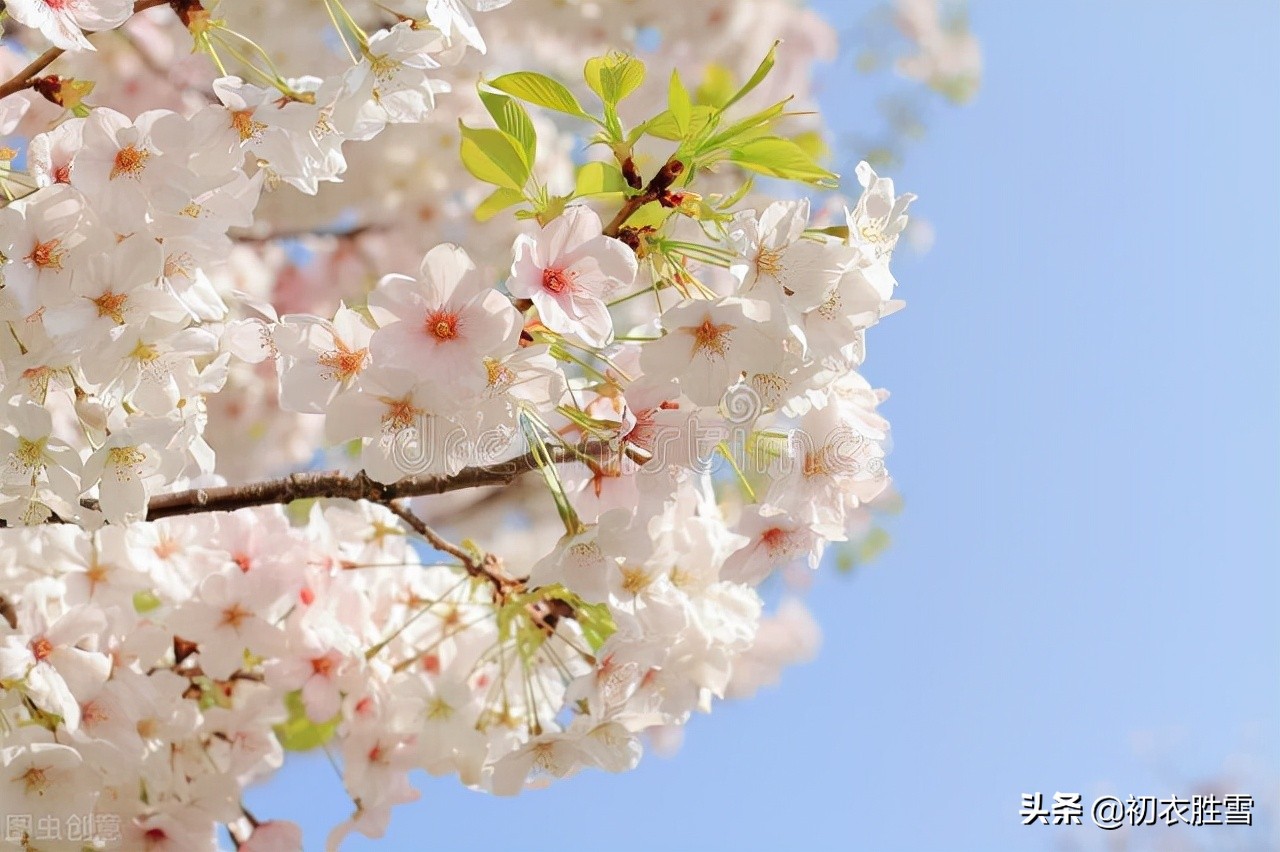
(340, 486)
(488, 567)
(656, 189)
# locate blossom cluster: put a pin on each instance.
(673, 361)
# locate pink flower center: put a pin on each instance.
(556, 280)
(129, 162)
(47, 255)
(442, 325)
(41, 648)
(234, 615)
(710, 339)
(776, 540)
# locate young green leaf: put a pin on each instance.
(599, 178)
(613, 76)
(513, 120)
(665, 126)
(661, 126)
(494, 157)
(539, 89)
(752, 125)
(782, 158)
(596, 622)
(678, 103)
(500, 199)
(716, 87)
(738, 195)
(762, 71)
(298, 732)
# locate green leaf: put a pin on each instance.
(595, 619)
(596, 622)
(298, 733)
(740, 130)
(662, 126)
(299, 511)
(539, 89)
(762, 71)
(840, 232)
(812, 143)
(739, 194)
(494, 157)
(513, 120)
(678, 103)
(500, 199)
(145, 600)
(782, 158)
(651, 215)
(550, 208)
(613, 76)
(599, 178)
(716, 87)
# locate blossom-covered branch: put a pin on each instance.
(669, 367)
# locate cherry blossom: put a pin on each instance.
(61, 21)
(445, 322)
(568, 270)
(507, 518)
(709, 345)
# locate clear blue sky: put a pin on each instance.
(1086, 404)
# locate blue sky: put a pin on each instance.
(1082, 590)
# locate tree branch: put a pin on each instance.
(489, 566)
(26, 78)
(655, 191)
(333, 485)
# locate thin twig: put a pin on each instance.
(657, 188)
(489, 566)
(433, 538)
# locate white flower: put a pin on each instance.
(62, 20)
(43, 779)
(408, 426)
(223, 620)
(124, 170)
(44, 238)
(709, 345)
(320, 359)
(48, 665)
(445, 323)
(34, 462)
(568, 269)
(131, 464)
(395, 67)
(778, 264)
(879, 217)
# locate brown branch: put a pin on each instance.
(655, 191)
(334, 485)
(433, 538)
(489, 566)
(26, 78)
